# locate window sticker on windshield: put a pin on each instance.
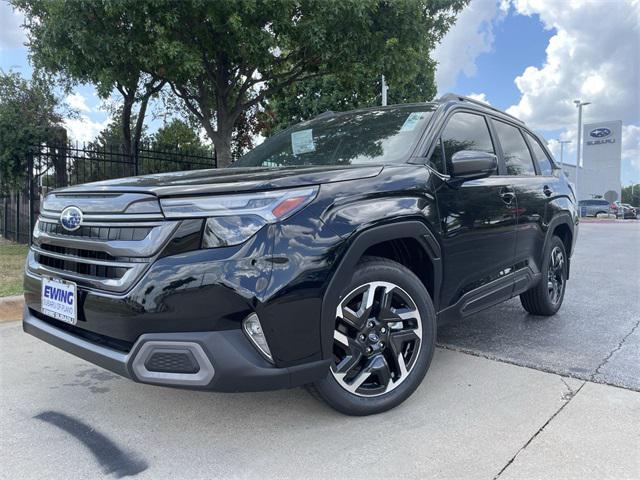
(302, 142)
(411, 121)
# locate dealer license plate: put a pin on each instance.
(60, 299)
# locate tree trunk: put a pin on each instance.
(222, 145)
(59, 157)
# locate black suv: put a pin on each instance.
(324, 257)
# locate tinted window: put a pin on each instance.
(367, 136)
(516, 153)
(464, 131)
(541, 156)
(436, 161)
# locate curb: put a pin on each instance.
(11, 308)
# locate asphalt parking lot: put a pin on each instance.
(508, 396)
(596, 334)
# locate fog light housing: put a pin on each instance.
(253, 329)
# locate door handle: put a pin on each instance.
(507, 194)
(547, 191)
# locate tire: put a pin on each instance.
(546, 297)
(381, 352)
(597, 215)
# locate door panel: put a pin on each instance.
(532, 191)
(477, 217)
(478, 235)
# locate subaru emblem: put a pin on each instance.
(600, 132)
(71, 218)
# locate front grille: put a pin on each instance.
(110, 250)
(99, 233)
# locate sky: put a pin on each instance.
(532, 58)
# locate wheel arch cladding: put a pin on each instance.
(566, 235)
(396, 241)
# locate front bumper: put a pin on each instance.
(226, 362)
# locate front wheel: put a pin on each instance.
(383, 341)
(546, 297)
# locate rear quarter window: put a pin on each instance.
(546, 167)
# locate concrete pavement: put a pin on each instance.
(471, 418)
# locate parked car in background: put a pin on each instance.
(624, 210)
(595, 207)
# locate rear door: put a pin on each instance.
(534, 187)
(477, 219)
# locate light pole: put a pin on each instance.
(579, 104)
(384, 92)
(562, 142)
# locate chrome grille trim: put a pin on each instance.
(75, 258)
(106, 217)
(109, 284)
(148, 247)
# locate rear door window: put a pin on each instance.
(517, 156)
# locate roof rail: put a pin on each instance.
(454, 97)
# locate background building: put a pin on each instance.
(601, 161)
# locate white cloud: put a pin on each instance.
(592, 56)
(11, 33)
(78, 102)
(470, 36)
(83, 129)
(631, 146)
(481, 97)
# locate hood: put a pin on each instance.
(227, 180)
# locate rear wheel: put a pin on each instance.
(547, 296)
(383, 341)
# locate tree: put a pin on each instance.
(309, 98)
(30, 115)
(104, 42)
(178, 135)
(224, 58)
(631, 194)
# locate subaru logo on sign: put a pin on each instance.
(600, 132)
(71, 218)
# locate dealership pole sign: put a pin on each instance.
(602, 157)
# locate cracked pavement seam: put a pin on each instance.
(568, 396)
(612, 352)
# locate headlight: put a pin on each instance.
(233, 219)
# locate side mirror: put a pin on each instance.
(473, 164)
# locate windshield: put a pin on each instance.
(369, 136)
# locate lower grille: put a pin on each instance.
(91, 270)
(174, 362)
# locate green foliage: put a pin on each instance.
(627, 197)
(30, 114)
(178, 135)
(224, 58)
(227, 60)
(104, 42)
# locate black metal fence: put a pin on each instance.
(54, 166)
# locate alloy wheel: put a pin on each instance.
(377, 339)
(555, 275)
